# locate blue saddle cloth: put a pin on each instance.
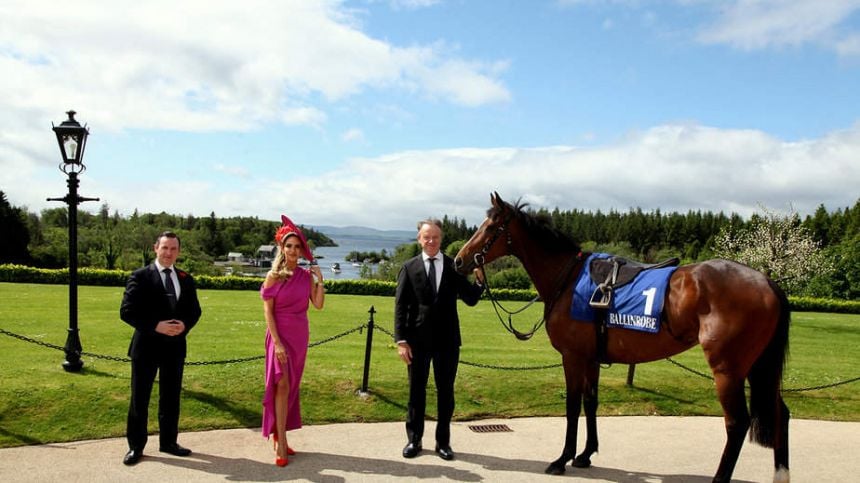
(636, 305)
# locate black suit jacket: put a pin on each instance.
(424, 322)
(145, 303)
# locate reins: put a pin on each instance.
(509, 325)
(479, 259)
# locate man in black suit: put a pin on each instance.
(160, 302)
(427, 328)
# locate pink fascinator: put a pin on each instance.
(289, 228)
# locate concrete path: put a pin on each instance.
(633, 449)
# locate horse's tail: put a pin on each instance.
(765, 377)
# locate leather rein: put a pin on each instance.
(480, 259)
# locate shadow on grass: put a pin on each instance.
(89, 371)
(387, 400)
(244, 416)
(19, 438)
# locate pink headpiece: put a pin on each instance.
(289, 228)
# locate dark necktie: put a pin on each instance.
(170, 288)
(431, 275)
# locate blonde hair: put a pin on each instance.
(279, 269)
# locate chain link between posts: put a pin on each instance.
(361, 327)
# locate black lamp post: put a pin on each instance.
(72, 138)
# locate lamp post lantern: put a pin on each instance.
(72, 138)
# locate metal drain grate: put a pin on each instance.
(490, 428)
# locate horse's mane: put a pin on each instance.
(540, 227)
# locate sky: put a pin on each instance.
(382, 112)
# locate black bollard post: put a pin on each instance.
(367, 348)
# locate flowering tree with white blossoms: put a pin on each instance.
(777, 246)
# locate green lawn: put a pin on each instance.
(41, 403)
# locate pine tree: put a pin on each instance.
(16, 237)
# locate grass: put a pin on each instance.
(41, 403)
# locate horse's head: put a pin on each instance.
(491, 241)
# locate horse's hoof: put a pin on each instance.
(781, 475)
(581, 462)
(554, 469)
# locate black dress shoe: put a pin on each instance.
(411, 450)
(445, 452)
(175, 450)
(132, 457)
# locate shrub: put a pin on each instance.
(117, 278)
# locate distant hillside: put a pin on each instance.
(363, 232)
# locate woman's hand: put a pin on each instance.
(281, 353)
(317, 273)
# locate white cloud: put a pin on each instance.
(849, 46)
(188, 66)
(304, 115)
(128, 65)
(670, 167)
(758, 24)
(465, 82)
(353, 135)
(235, 171)
(413, 4)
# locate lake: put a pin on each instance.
(354, 243)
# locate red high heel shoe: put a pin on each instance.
(282, 461)
(290, 451)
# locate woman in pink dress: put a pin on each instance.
(286, 292)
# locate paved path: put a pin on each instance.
(634, 449)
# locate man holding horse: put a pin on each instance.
(427, 329)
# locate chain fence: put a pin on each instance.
(187, 363)
(785, 389)
(370, 325)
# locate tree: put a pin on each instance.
(778, 246)
(390, 269)
(16, 236)
(211, 239)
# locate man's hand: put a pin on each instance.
(405, 352)
(479, 275)
(170, 327)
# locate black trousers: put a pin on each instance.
(444, 373)
(143, 372)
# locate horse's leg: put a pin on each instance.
(733, 400)
(590, 407)
(780, 447)
(573, 403)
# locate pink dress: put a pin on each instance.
(291, 298)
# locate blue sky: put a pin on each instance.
(379, 113)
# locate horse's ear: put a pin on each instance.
(495, 199)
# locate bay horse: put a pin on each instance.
(738, 315)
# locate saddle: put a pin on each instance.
(609, 274)
(613, 272)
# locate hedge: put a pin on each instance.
(117, 278)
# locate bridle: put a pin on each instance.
(480, 259)
(503, 229)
